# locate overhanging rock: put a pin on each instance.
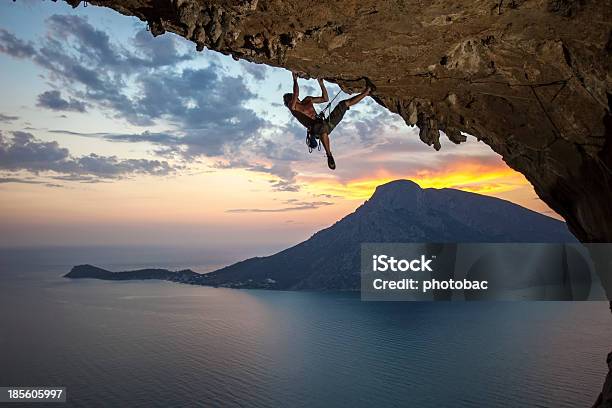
(529, 78)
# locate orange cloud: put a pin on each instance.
(472, 176)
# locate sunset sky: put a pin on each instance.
(109, 136)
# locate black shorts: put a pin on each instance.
(336, 115)
(327, 125)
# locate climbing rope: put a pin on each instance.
(328, 107)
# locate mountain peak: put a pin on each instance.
(399, 184)
(397, 193)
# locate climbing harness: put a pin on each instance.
(311, 141)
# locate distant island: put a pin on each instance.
(186, 276)
(93, 272)
(399, 211)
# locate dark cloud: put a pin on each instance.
(294, 206)
(81, 178)
(280, 154)
(18, 180)
(207, 108)
(53, 100)
(13, 46)
(259, 72)
(112, 167)
(142, 84)
(161, 138)
(162, 51)
(369, 129)
(24, 152)
(308, 90)
(328, 196)
(200, 100)
(283, 145)
(72, 38)
(7, 118)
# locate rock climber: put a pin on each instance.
(318, 126)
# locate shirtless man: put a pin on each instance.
(319, 128)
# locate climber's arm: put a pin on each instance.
(324, 97)
(296, 92)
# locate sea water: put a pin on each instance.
(160, 344)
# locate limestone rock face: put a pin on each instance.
(530, 78)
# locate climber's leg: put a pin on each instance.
(325, 142)
(326, 145)
(357, 98)
(338, 113)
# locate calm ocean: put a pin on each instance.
(157, 344)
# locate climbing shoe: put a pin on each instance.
(330, 162)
